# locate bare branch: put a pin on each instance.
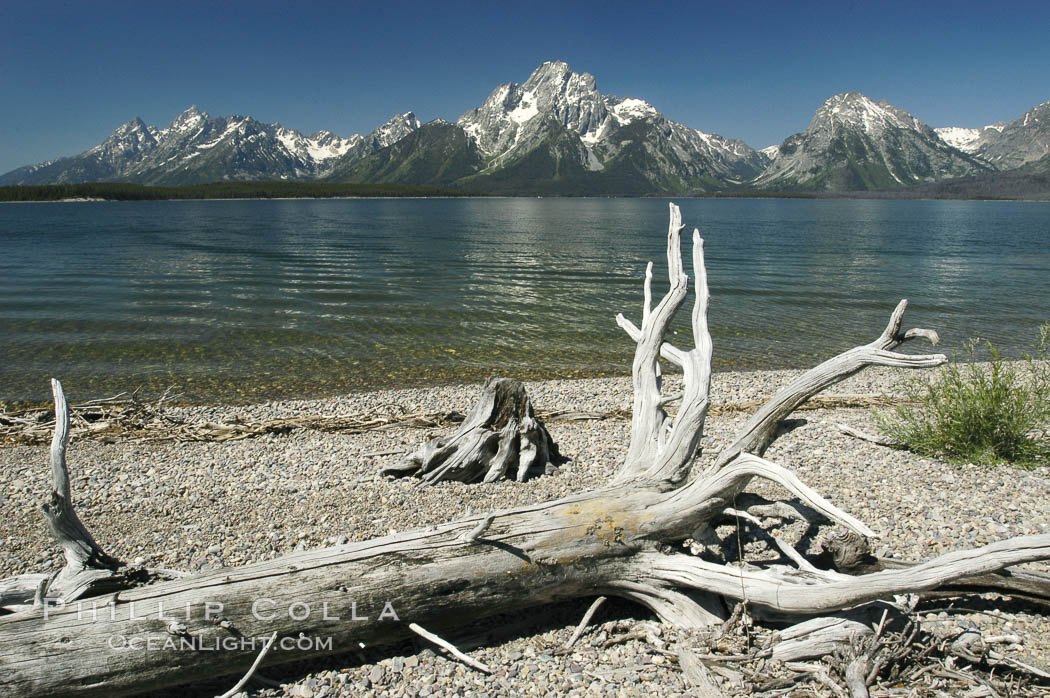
(251, 671)
(471, 537)
(811, 593)
(748, 465)
(86, 561)
(450, 648)
(760, 430)
(595, 605)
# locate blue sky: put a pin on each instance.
(71, 72)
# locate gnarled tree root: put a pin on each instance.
(500, 439)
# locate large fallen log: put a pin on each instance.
(623, 540)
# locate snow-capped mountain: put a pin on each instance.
(196, 148)
(854, 144)
(600, 133)
(556, 133)
(1006, 146)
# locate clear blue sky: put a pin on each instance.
(73, 71)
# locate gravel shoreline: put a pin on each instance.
(196, 506)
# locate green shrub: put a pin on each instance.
(979, 412)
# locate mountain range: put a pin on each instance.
(556, 134)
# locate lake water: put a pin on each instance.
(251, 300)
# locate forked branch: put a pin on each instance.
(663, 449)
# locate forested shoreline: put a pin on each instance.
(122, 191)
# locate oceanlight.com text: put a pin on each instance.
(216, 644)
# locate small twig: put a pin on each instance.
(376, 454)
(668, 399)
(625, 637)
(584, 622)
(255, 665)
(1017, 664)
(41, 590)
(449, 647)
(472, 537)
(819, 672)
(725, 657)
(873, 438)
(163, 397)
(784, 547)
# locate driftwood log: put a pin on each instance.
(624, 539)
(500, 439)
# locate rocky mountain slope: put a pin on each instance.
(196, 148)
(577, 130)
(557, 134)
(856, 144)
(1023, 141)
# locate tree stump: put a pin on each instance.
(500, 438)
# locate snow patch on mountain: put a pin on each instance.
(965, 139)
(630, 109)
(525, 110)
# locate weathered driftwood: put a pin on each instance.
(623, 540)
(500, 439)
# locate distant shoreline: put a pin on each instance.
(820, 196)
(120, 191)
(92, 192)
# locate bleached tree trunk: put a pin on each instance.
(612, 541)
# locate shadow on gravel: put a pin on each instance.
(489, 633)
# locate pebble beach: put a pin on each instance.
(200, 506)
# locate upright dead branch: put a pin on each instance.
(86, 562)
(662, 448)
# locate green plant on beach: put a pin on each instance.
(986, 410)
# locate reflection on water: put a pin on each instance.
(248, 300)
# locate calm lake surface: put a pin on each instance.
(236, 301)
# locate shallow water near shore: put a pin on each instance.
(242, 301)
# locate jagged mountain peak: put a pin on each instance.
(189, 118)
(854, 143)
(550, 70)
(393, 130)
(856, 109)
(511, 112)
(131, 126)
(558, 76)
(558, 122)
